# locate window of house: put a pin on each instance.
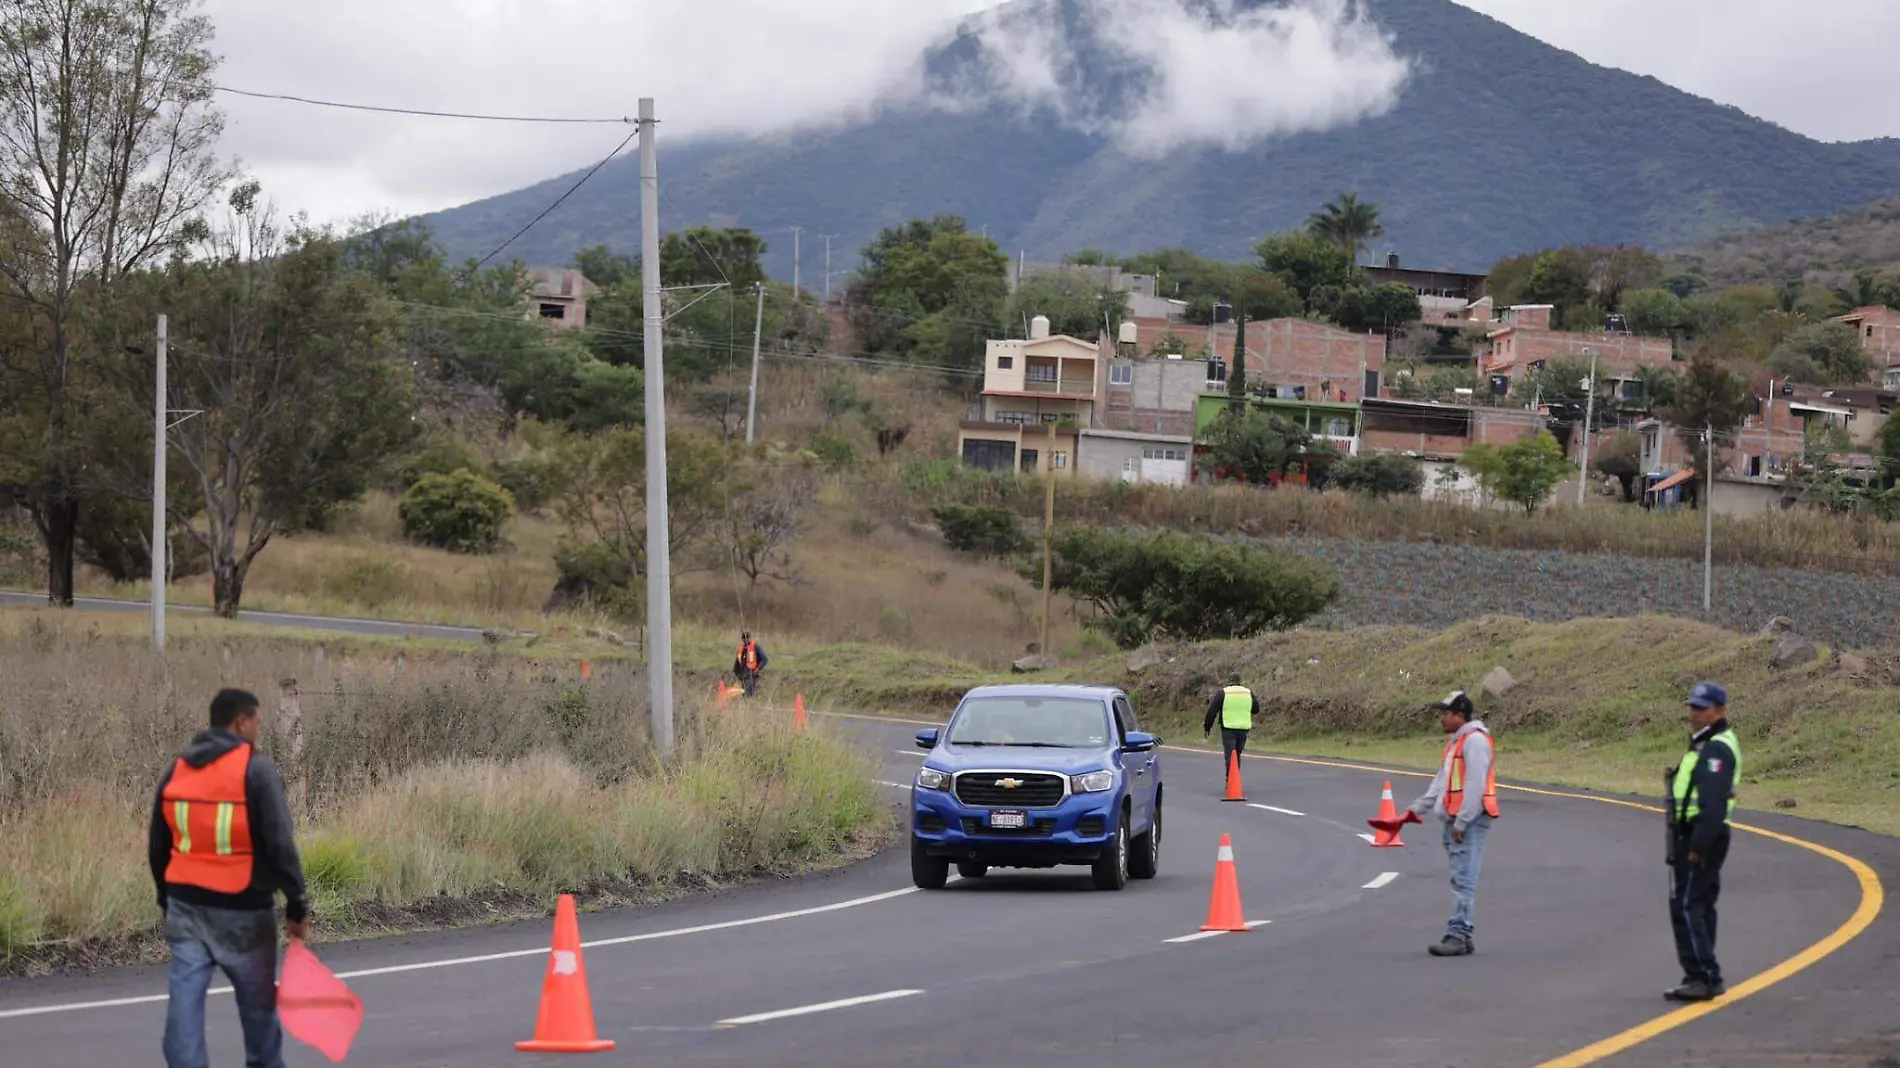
(1050, 417)
(1004, 363)
(1042, 372)
(1128, 465)
(1338, 428)
(553, 311)
(1030, 456)
(1121, 374)
(989, 455)
(1061, 459)
(1015, 418)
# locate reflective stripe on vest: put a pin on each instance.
(210, 824)
(749, 656)
(1236, 708)
(1455, 782)
(1688, 806)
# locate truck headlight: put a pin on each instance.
(932, 779)
(1093, 782)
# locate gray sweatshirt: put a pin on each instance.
(1477, 766)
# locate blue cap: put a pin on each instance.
(1708, 695)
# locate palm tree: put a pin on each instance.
(1347, 222)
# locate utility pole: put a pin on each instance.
(659, 558)
(828, 238)
(1708, 517)
(1589, 414)
(160, 414)
(796, 230)
(752, 391)
(1048, 538)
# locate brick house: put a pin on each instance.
(559, 295)
(1522, 340)
(1879, 329)
(1443, 296)
(1303, 359)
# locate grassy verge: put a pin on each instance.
(448, 786)
(1597, 702)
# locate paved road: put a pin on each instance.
(1038, 968)
(380, 628)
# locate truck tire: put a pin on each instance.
(1110, 870)
(928, 872)
(1144, 854)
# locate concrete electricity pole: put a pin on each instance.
(1048, 537)
(659, 559)
(752, 391)
(1708, 517)
(1589, 413)
(161, 413)
(828, 238)
(796, 230)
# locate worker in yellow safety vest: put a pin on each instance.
(220, 849)
(1235, 707)
(1466, 812)
(1701, 803)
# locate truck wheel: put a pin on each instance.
(928, 872)
(1144, 858)
(1110, 871)
(972, 869)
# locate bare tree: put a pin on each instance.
(762, 523)
(107, 135)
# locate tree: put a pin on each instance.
(1817, 474)
(600, 496)
(292, 366)
(1183, 274)
(1621, 457)
(1256, 446)
(1357, 306)
(1347, 222)
(1187, 587)
(1709, 397)
(1559, 385)
(930, 289)
(839, 396)
(460, 511)
(762, 523)
(983, 529)
(1656, 387)
(702, 256)
(1823, 354)
(609, 269)
(1237, 370)
(1073, 304)
(1304, 262)
(1525, 472)
(1264, 296)
(1560, 278)
(1380, 475)
(1655, 313)
(107, 135)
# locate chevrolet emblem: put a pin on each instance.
(1009, 784)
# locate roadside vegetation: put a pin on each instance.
(432, 786)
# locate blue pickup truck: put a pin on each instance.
(1033, 777)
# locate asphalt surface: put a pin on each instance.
(1029, 967)
(380, 628)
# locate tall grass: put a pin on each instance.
(436, 774)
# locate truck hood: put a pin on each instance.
(1019, 758)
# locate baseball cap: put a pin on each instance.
(1708, 695)
(1457, 701)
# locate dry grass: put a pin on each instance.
(437, 773)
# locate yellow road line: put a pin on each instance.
(1873, 897)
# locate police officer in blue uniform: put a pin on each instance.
(1701, 801)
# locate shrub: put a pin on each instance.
(529, 478)
(462, 512)
(371, 582)
(833, 452)
(983, 529)
(1184, 586)
(593, 574)
(1380, 475)
(439, 454)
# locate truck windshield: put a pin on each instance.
(1056, 722)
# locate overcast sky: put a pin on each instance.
(1821, 67)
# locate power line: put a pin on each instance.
(623, 120)
(550, 208)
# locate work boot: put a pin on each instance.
(1694, 990)
(1452, 946)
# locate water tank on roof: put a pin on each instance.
(1130, 332)
(1392, 260)
(1038, 327)
(1223, 313)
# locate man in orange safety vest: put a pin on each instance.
(748, 663)
(221, 848)
(1464, 796)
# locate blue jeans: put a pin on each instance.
(1467, 857)
(243, 944)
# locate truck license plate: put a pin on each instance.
(1009, 820)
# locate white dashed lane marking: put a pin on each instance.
(1198, 935)
(1384, 878)
(826, 1006)
(1276, 808)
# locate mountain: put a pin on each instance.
(1828, 250)
(1498, 144)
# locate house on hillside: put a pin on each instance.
(1523, 341)
(1879, 329)
(1294, 359)
(1031, 385)
(1443, 296)
(559, 295)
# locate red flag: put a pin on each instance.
(315, 1006)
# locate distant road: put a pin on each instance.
(375, 628)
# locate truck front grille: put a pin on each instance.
(1026, 789)
(973, 825)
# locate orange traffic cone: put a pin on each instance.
(1234, 792)
(566, 1022)
(1223, 906)
(721, 693)
(798, 712)
(587, 670)
(1386, 828)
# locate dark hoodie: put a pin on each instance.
(274, 862)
